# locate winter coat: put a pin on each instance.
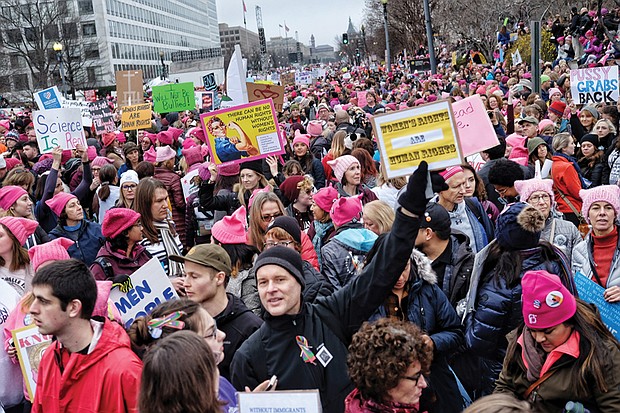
(316, 284)
(327, 325)
(593, 173)
(39, 237)
(307, 251)
(494, 309)
(554, 392)
(456, 276)
(244, 286)
(107, 380)
(562, 234)
(172, 181)
(118, 261)
(428, 308)
(238, 322)
(344, 255)
(88, 240)
(315, 170)
(565, 179)
(611, 168)
(227, 202)
(367, 194)
(582, 260)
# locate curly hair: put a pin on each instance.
(380, 354)
(212, 121)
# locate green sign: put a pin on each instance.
(174, 97)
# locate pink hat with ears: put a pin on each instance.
(192, 155)
(163, 153)
(325, 197)
(6, 124)
(100, 161)
(176, 132)
(301, 138)
(150, 155)
(91, 151)
(341, 164)
(54, 250)
(120, 137)
(527, 187)
(346, 209)
(9, 195)
(21, 228)
(315, 128)
(197, 132)
(257, 191)
(188, 143)
(481, 90)
(165, 137)
(59, 201)
(231, 229)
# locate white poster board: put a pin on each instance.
(594, 85)
(59, 127)
(87, 119)
(30, 346)
(308, 401)
(150, 286)
(189, 188)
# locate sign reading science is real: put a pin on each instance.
(424, 133)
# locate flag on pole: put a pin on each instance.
(244, 9)
(285, 27)
(280, 26)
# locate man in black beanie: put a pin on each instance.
(305, 345)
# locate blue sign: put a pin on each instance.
(48, 98)
(591, 292)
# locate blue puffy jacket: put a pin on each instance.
(88, 240)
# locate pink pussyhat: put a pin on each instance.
(602, 193)
(450, 172)
(58, 202)
(527, 187)
(545, 301)
(231, 229)
(55, 250)
(9, 195)
(21, 228)
(346, 209)
(301, 138)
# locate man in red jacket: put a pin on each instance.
(90, 365)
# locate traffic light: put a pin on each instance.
(357, 52)
(345, 38)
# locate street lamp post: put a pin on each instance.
(364, 41)
(163, 65)
(429, 36)
(387, 36)
(58, 49)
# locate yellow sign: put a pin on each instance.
(136, 117)
(424, 133)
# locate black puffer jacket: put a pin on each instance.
(328, 323)
(455, 279)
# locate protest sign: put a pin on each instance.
(174, 97)
(103, 120)
(204, 100)
(287, 79)
(58, 127)
(90, 95)
(190, 184)
(258, 91)
(275, 77)
(361, 98)
(209, 81)
(591, 292)
(476, 131)
(149, 286)
(594, 85)
(48, 98)
(303, 78)
(87, 120)
(423, 133)
(129, 87)
(299, 401)
(241, 133)
(516, 58)
(136, 117)
(30, 346)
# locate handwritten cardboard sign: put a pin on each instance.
(49, 98)
(58, 127)
(423, 133)
(476, 131)
(591, 292)
(30, 346)
(287, 79)
(174, 97)
(304, 401)
(594, 85)
(150, 287)
(136, 117)
(259, 91)
(303, 78)
(103, 120)
(241, 133)
(87, 119)
(129, 87)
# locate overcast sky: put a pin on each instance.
(325, 19)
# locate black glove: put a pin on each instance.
(438, 183)
(414, 198)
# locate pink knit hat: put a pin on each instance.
(232, 228)
(197, 132)
(192, 155)
(301, 138)
(117, 220)
(188, 143)
(545, 301)
(450, 172)
(164, 153)
(100, 161)
(21, 228)
(120, 137)
(325, 197)
(92, 153)
(606, 193)
(59, 201)
(341, 164)
(346, 209)
(107, 138)
(543, 124)
(54, 250)
(176, 132)
(527, 187)
(150, 155)
(315, 128)
(165, 137)
(9, 195)
(228, 170)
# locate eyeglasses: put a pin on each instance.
(534, 199)
(129, 187)
(415, 378)
(270, 244)
(269, 217)
(501, 191)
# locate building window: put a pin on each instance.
(89, 29)
(85, 6)
(69, 30)
(91, 51)
(91, 72)
(20, 82)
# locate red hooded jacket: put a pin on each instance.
(105, 381)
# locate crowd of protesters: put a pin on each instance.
(313, 270)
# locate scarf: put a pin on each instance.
(575, 165)
(355, 403)
(320, 229)
(175, 269)
(533, 355)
